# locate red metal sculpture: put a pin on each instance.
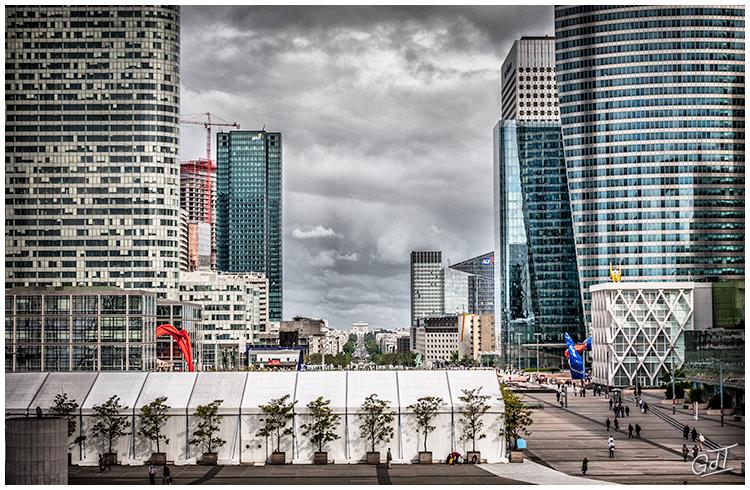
(183, 342)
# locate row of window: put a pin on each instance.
(662, 158)
(658, 147)
(598, 217)
(685, 80)
(662, 24)
(655, 136)
(653, 46)
(656, 124)
(636, 35)
(635, 69)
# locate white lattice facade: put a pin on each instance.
(638, 329)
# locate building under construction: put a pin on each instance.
(198, 199)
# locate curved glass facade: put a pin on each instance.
(652, 110)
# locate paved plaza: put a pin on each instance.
(561, 438)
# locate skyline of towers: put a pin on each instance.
(652, 110)
(92, 134)
(249, 208)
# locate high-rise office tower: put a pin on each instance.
(248, 209)
(92, 131)
(528, 81)
(481, 270)
(198, 199)
(553, 276)
(652, 110)
(427, 286)
(455, 291)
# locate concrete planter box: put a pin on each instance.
(209, 459)
(470, 456)
(111, 458)
(516, 456)
(425, 457)
(669, 402)
(159, 459)
(716, 411)
(373, 457)
(278, 458)
(320, 457)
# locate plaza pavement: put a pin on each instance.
(562, 437)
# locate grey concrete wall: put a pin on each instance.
(36, 451)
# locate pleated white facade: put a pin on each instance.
(242, 393)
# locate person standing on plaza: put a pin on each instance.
(685, 452)
(166, 476)
(695, 451)
(610, 404)
(701, 441)
(611, 445)
(607, 423)
(645, 407)
(557, 396)
(101, 463)
(617, 425)
(389, 458)
(637, 431)
(694, 434)
(686, 432)
(151, 474)
(585, 466)
(630, 431)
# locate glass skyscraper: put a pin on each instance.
(91, 162)
(652, 111)
(553, 276)
(481, 283)
(248, 210)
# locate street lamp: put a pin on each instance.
(537, 335)
(674, 394)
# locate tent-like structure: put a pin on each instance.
(242, 393)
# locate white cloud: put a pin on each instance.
(317, 232)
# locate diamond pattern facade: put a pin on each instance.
(638, 329)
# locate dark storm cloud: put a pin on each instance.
(386, 115)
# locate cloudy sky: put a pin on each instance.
(386, 115)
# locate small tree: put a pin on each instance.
(110, 425)
(208, 426)
(376, 421)
(474, 406)
(426, 410)
(517, 416)
(697, 394)
(153, 417)
(67, 408)
(322, 429)
(278, 412)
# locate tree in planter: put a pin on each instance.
(517, 417)
(208, 426)
(277, 414)
(322, 428)
(67, 408)
(153, 417)
(110, 425)
(474, 406)
(697, 394)
(376, 421)
(426, 410)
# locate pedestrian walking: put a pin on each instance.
(630, 431)
(617, 425)
(694, 434)
(152, 474)
(637, 431)
(645, 407)
(389, 458)
(166, 477)
(611, 445)
(610, 404)
(627, 411)
(557, 396)
(107, 463)
(101, 463)
(684, 452)
(701, 441)
(607, 423)
(585, 466)
(695, 451)
(686, 432)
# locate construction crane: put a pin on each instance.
(207, 123)
(204, 119)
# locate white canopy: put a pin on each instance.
(125, 385)
(175, 386)
(226, 386)
(472, 379)
(362, 384)
(330, 385)
(20, 390)
(264, 386)
(75, 385)
(413, 385)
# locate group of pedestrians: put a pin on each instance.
(619, 410)
(166, 478)
(104, 463)
(694, 435)
(686, 451)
